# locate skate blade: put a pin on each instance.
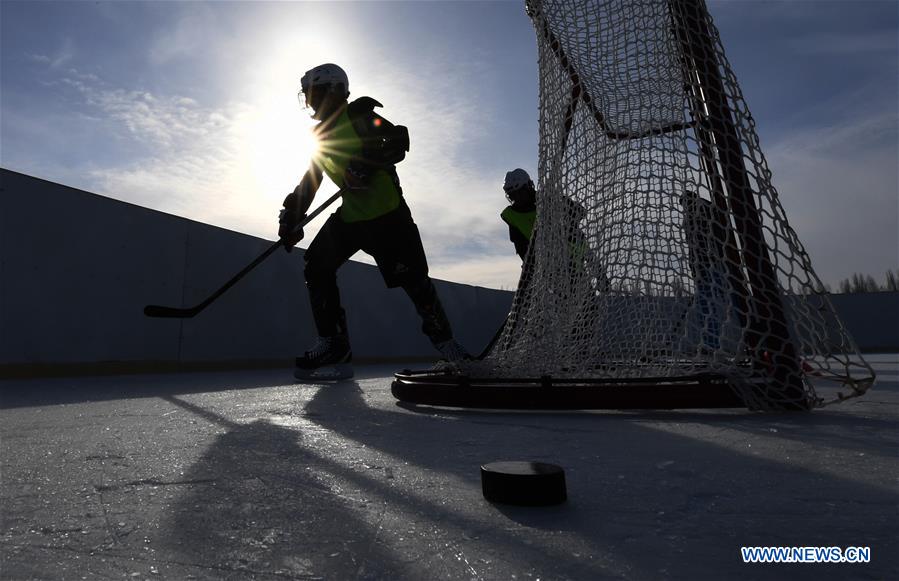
(338, 372)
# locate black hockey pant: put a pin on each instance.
(395, 244)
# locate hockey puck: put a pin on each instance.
(523, 483)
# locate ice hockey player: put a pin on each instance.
(521, 215)
(358, 151)
(522, 211)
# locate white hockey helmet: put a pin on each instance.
(516, 179)
(327, 76)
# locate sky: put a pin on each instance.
(191, 108)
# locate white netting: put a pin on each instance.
(661, 248)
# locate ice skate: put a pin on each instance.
(453, 353)
(329, 360)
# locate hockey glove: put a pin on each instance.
(289, 230)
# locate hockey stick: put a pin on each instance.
(493, 341)
(158, 311)
(524, 280)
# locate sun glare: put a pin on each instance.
(307, 144)
(276, 132)
(280, 143)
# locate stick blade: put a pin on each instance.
(160, 312)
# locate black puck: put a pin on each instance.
(523, 483)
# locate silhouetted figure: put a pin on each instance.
(522, 210)
(358, 150)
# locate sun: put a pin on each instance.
(305, 142)
(276, 138)
(280, 143)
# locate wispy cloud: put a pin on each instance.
(59, 58)
(192, 147)
(189, 34)
(840, 190)
(161, 121)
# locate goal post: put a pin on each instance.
(663, 271)
(716, 132)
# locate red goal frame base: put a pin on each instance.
(442, 389)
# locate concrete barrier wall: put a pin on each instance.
(871, 318)
(76, 270)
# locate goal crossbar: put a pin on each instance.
(579, 92)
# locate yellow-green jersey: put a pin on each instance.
(340, 144)
(521, 227)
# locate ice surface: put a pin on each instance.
(246, 475)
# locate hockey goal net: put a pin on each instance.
(661, 248)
